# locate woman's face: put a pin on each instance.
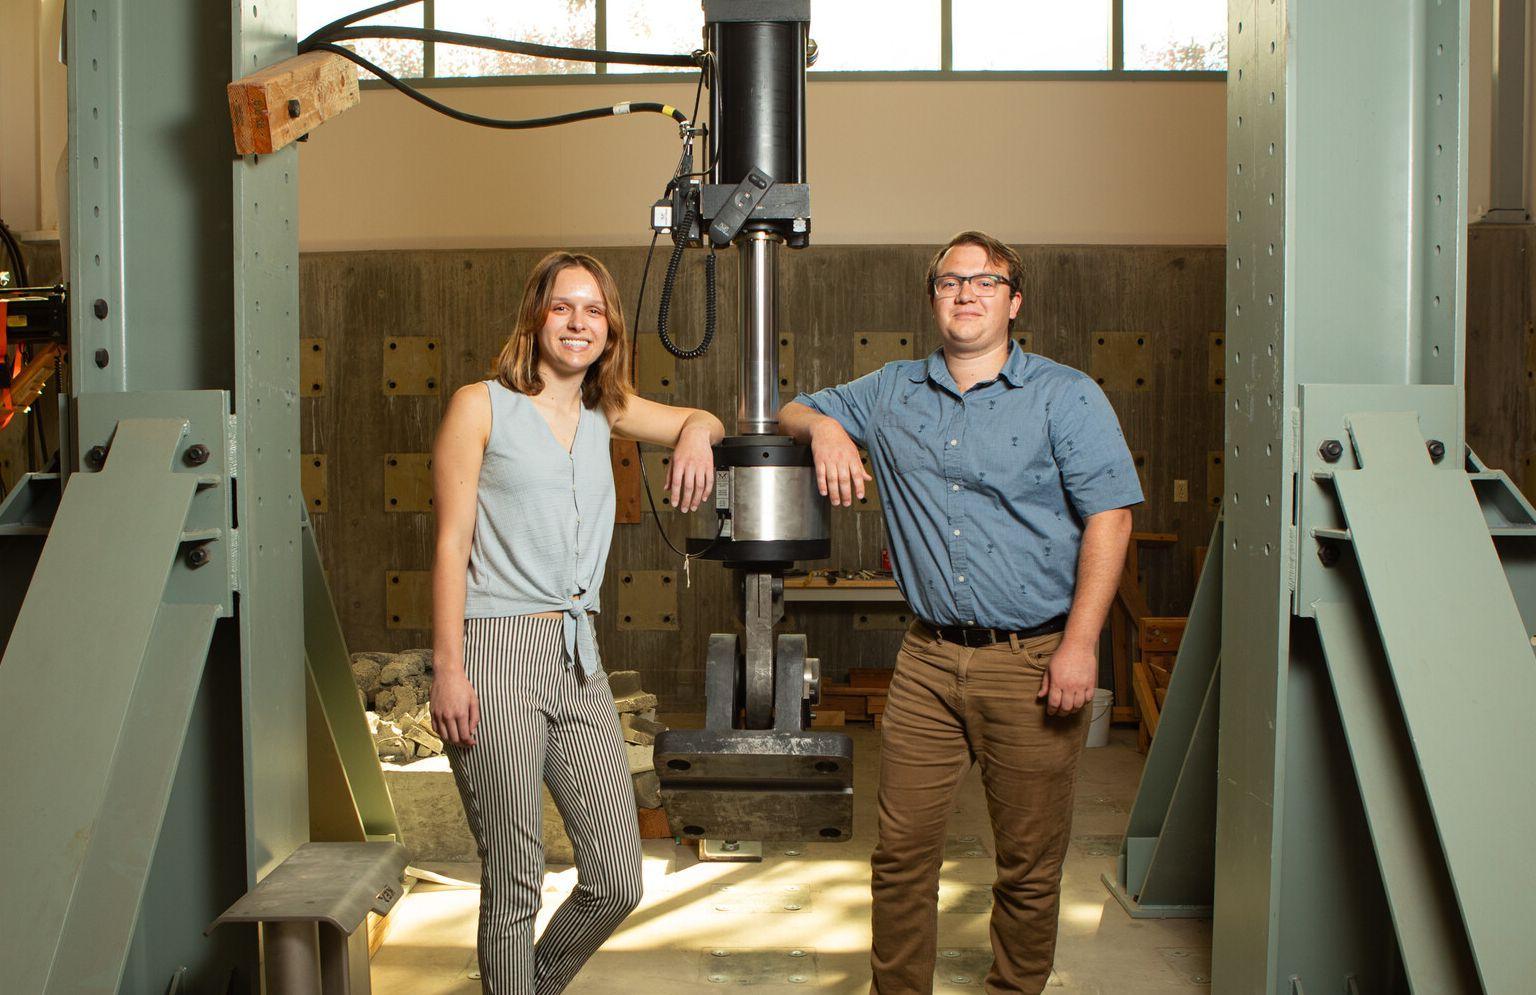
(575, 327)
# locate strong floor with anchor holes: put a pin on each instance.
(799, 920)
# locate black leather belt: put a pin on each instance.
(973, 635)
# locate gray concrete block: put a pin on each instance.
(647, 790)
(640, 730)
(432, 818)
(641, 758)
(417, 661)
(624, 683)
(641, 703)
(394, 672)
(365, 674)
(393, 701)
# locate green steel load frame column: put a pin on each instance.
(1374, 796)
(154, 673)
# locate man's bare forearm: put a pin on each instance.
(1100, 562)
(798, 421)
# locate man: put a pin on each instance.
(1006, 484)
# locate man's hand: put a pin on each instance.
(839, 471)
(1069, 679)
(455, 708)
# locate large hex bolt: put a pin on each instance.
(1331, 450)
(1436, 450)
(198, 556)
(96, 457)
(1327, 553)
(197, 455)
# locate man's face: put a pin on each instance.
(968, 321)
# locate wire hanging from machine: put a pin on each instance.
(325, 39)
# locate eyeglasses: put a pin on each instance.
(982, 284)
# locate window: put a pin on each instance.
(1032, 35)
(396, 56)
(567, 23)
(977, 38)
(1176, 34)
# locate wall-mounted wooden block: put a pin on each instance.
(882, 618)
(871, 501)
(657, 373)
(407, 481)
(313, 482)
(413, 364)
(657, 465)
(1140, 459)
(1121, 361)
(872, 350)
(1216, 362)
(787, 386)
(648, 600)
(272, 107)
(408, 599)
(1215, 477)
(311, 367)
(629, 500)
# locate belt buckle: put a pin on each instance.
(979, 637)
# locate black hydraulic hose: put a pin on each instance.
(645, 477)
(668, 284)
(362, 31)
(353, 18)
(13, 249)
(591, 114)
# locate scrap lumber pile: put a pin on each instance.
(862, 699)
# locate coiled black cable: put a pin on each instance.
(668, 283)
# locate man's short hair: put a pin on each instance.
(996, 251)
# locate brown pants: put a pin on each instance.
(951, 706)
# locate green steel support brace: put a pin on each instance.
(1373, 805)
(157, 608)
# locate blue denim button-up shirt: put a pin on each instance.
(985, 492)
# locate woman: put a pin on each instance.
(525, 506)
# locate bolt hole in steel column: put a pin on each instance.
(102, 358)
(99, 308)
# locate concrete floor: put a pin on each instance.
(799, 920)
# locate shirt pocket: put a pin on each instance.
(907, 449)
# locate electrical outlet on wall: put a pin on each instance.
(1180, 491)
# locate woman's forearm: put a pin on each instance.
(450, 567)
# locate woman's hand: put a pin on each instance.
(692, 476)
(455, 708)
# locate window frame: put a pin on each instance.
(946, 71)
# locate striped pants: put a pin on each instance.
(541, 721)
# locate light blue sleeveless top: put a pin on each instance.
(544, 521)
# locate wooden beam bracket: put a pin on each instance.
(281, 104)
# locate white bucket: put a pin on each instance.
(1098, 726)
